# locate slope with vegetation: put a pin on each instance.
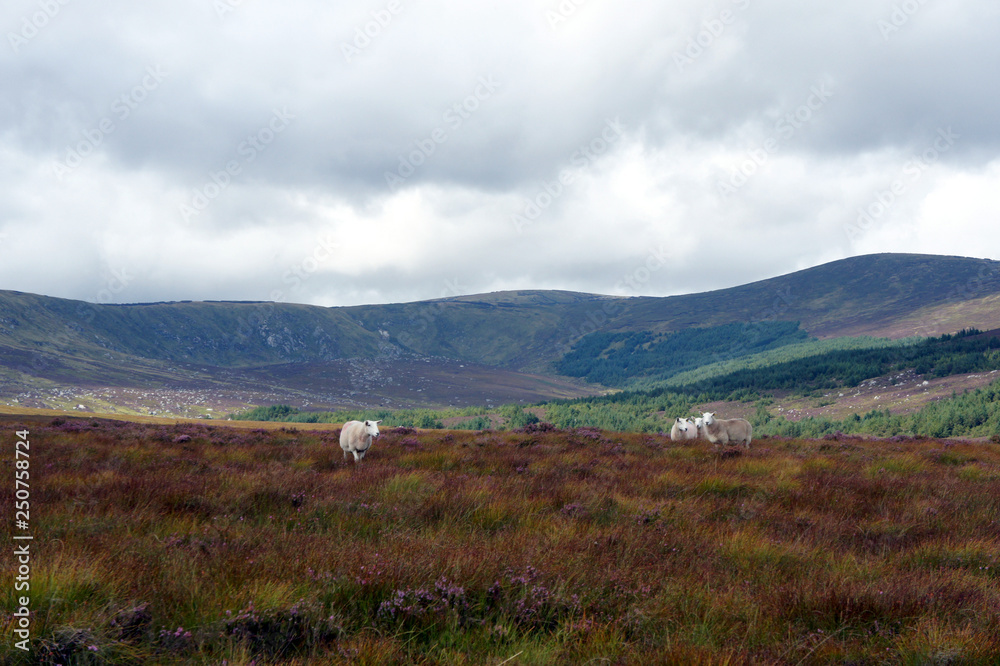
(975, 414)
(946, 355)
(47, 344)
(618, 359)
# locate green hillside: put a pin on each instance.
(966, 352)
(518, 330)
(869, 295)
(222, 334)
(874, 294)
(782, 354)
(615, 341)
(619, 359)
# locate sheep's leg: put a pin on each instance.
(356, 458)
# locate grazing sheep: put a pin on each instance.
(681, 430)
(356, 437)
(725, 431)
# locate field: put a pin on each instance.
(190, 543)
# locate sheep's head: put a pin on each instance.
(708, 418)
(682, 424)
(371, 427)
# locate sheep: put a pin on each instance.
(725, 431)
(356, 437)
(681, 430)
(699, 424)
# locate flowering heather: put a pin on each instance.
(200, 544)
(445, 601)
(410, 443)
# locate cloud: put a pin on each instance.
(211, 148)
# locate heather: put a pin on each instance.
(203, 545)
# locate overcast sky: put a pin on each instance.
(396, 150)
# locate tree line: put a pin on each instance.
(961, 353)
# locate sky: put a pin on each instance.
(387, 151)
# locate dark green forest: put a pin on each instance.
(616, 359)
(965, 352)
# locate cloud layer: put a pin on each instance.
(394, 150)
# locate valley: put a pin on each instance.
(211, 359)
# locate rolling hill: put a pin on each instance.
(494, 347)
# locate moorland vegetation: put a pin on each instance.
(536, 545)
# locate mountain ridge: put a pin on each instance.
(59, 341)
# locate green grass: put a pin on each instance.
(193, 544)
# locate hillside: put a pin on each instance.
(494, 347)
(886, 295)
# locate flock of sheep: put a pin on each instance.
(356, 436)
(717, 431)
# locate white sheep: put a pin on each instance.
(356, 437)
(699, 424)
(725, 431)
(681, 430)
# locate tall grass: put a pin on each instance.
(193, 544)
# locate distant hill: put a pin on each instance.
(47, 343)
(887, 295)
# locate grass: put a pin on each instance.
(197, 544)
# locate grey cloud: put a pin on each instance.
(172, 101)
